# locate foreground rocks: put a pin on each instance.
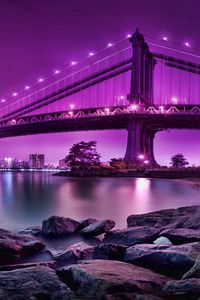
(56, 226)
(98, 278)
(98, 228)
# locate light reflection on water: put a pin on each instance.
(28, 198)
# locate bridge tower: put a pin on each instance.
(140, 135)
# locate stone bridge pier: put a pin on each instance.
(140, 143)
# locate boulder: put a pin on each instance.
(15, 246)
(32, 283)
(131, 236)
(181, 235)
(193, 222)
(34, 230)
(98, 228)
(57, 226)
(98, 278)
(73, 253)
(192, 250)
(87, 222)
(165, 261)
(161, 218)
(131, 296)
(162, 240)
(194, 272)
(109, 251)
(185, 289)
(50, 264)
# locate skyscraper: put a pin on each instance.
(36, 161)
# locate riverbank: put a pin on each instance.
(145, 173)
(157, 256)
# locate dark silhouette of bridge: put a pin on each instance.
(100, 95)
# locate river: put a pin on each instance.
(28, 198)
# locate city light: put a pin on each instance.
(91, 54)
(165, 38)
(3, 100)
(146, 162)
(40, 79)
(121, 97)
(128, 36)
(174, 99)
(27, 87)
(107, 110)
(56, 72)
(14, 94)
(187, 44)
(161, 108)
(110, 45)
(71, 113)
(133, 107)
(141, 156)
(71, 106)
(73, 63)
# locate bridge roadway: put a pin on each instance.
(156, 118)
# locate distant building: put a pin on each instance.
(36, 161)
(62, 164)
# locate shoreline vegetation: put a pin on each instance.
(156, 257)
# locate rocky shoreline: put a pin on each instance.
(156, 257)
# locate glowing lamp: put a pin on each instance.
(141, 156)
(14, 94)
(146, 162)
(174, 100)
(27, 87)
(3, 100)
(128, 36)
(110, 44)
(40, 80)
(133, 107)
(187, 44)
(91, 53)
(165, 38)
(56, 72)
(73, 63)
(71, 113)
(161, 108)
(121, 97)
(107, 110)
(71, 106)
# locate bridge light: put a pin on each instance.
(133, 107)
(161, 108)
(71, 106)
(14, 94)
(91, 54)
(27, 87)
(107, 110)
(73, 63)
(56, 72)
(174, 99)
(13, 121)
(141, 156)
(146, 162)
(40, 79)
(71, 113)
(3, 100)
(121, 97)
(187, 44)
(110, 45)
(165, 38)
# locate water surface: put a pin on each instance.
(28, 198)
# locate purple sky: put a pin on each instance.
(39, 36)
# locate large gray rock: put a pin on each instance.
(131, 236)
(164, 261)
(87, 222)
(73, 253)
(50, 264)
(192, 250)
(161, 218)
(181, 235)
(97, 278)
(98, 228)
(15, 246)
(194, 272)
(193, 222)
(185, 289)
(32, 283)
(56, 226)
(109, 251)
(33, 230)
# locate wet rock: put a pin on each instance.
(162, 240)
(165, 261)
(75, 252)
(181, 235)
(98, 228)
(186, 289)
(131, 236)
(50, 264)
(109, 251)
(57, 226)
(193, 222)
(192, 250)
(131, 296)
(98, 278)
(14, 246)
(32, 283)
(88, 222)
(34, 230)
(194, 272)
(160, 218)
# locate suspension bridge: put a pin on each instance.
(134, 85)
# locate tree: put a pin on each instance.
(82, 155)
(178, 161)
(120, 163)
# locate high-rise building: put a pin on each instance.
(36, 161)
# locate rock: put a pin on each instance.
(162, 261)
(50, 264)
(131, 296)
(14, 246)
(181, 235)
(88, 222)
(32, 283)
(74, 253)
(192, 250)
(162, 240)
(131, 236)
(109, 251)
(34, 230)
(98, 278)
(161, 218)
(194, 272)
(186, 289)
(193, 222)
(98, 228)
(56, 226)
